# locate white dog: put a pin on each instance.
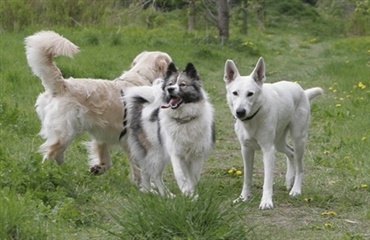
(171, 121)
(69, 107)
(264, 114)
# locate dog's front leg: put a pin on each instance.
(268, 165)
(248, 161)
(181, 175)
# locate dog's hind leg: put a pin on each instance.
(299, 138)
(100, 160)
(157, 179)
(248, 161)
(54, 149)
(290, 173)
(299, 145)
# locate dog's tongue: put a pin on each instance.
(172, 103)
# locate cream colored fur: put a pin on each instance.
(69, 107)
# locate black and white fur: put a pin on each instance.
(264, 114)
(171, 121)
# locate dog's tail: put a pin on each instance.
(311, 93)
(144, 94)
(41, 48)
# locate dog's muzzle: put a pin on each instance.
(240, 113)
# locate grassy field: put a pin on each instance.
(45, 201)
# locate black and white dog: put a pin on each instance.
(170, 121)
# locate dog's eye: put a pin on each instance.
(249, 94)
(235, 93)
(182, 85)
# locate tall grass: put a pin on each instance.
(207, 217)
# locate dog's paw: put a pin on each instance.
(97, 170)
(240, 199)
(294, 193)
(170, 195)
(266, 205)
(289, 183)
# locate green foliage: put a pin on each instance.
(207, 217)
(16, 221)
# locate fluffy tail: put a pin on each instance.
(311, 93)
(144, 94)
(41, 48)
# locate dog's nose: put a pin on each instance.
(240, 112)
(170, 89)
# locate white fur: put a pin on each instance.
(69, 107)
(278, 108)
(185, 144)
(188, 144)
(153, 159)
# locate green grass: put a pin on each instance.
(45, 201)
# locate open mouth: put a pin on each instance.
(173, 103)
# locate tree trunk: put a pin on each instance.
(245, 17)
(223, 20)
(191, 19)
(261, 14)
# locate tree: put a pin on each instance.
(191, 19)
(223, 19)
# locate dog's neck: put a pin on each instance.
(252, 116)
(184, 120)
(144, 77)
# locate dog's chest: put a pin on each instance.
(188, 140)
(246, 134)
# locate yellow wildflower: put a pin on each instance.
(231, 170)
(328, 225)
(338, 105)
(361, 85)
(239, 172)
(363, 185)
(329, 213)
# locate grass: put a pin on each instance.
(45, 201)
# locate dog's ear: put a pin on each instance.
(231, 72)
(171, 69)
(162, 62)
(191, 71)
(258, 73)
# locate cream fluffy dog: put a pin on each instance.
(69, 107)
